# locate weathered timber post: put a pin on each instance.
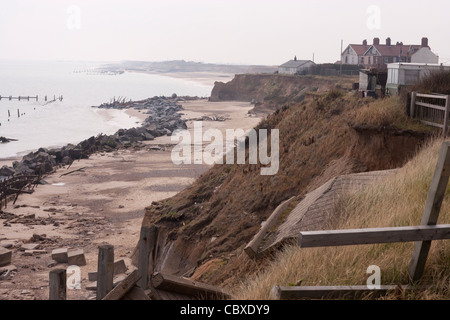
(105, 270)
(430, 216)
(58, 279)
(447, 107)
(413, 104)
(147, 245)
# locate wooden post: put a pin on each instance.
(413, 105)
(447, 105)
(58, 279)
(431, 212)
(253, 246)
(147, 244)
(105, 270)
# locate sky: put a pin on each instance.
(214, 31)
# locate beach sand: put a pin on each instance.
(102, 203)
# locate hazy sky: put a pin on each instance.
(229, 31)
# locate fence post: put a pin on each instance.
(413, 104)
(58, 279)
(431, 211)
(105, 270)
(447, 104)
(147, 244)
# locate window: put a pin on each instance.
(362, 60)
(370, 60)
(395, 59)
(386, 60)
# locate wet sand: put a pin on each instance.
(103, 203)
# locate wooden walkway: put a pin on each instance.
(319, 205)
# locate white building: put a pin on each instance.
(295, 66)
(406, 74)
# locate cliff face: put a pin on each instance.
(209, 223)
(271, 91)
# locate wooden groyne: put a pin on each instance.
(12, 187)
(28, 98)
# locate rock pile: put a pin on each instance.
(163, 118)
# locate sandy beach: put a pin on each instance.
(101, 203)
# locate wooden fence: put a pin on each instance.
(431, 109)
(14, 186)
(422, 236)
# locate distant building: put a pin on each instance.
(380, 55)
(295, 66)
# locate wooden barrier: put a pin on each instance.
(58, 280)
(311, 239)
(431, 109)
(332, 292)
(422, 235)
(105, 271)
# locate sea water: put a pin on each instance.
(42, 124)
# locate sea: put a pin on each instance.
(72, 119)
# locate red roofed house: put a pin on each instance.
(379, 55)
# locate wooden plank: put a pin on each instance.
(311, 239)
(123, 287)
(136, 293)
(105, 270)
(431, 211)
(5, 257)
(431, 96)
(429, 105)
(331, 292)
(252, 247)
(434, 124)
(188, 287)
(57, 289)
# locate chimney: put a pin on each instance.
(364, 42)
(376, 41)
(424, 42)
(388, 41)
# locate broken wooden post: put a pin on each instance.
(147, 244)
(253, 247)
(123, 287)
(430, 216)
(105, 270)
(413, 104)
(447, 109)
(58, 279)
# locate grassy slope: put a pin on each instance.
(399, 201)
(229, 202)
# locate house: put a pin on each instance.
(353, 53)
(380, 55)
(401, 75)
(295, 66)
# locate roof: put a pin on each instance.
(404, 50)
(360, 49)
(295, 63)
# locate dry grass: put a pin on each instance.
(398, 201)
(390, 111)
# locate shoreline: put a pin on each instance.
(103, 202)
